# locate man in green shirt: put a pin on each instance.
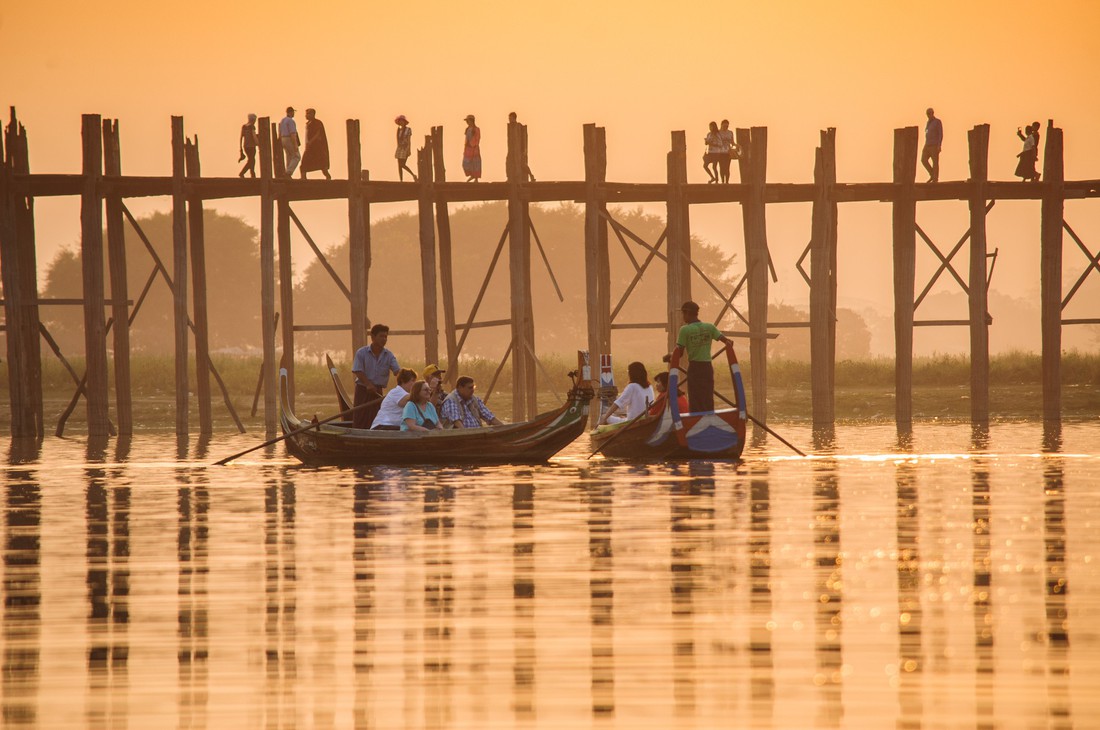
(694, 339)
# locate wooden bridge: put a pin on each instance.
(101, 181)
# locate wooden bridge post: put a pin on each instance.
(597, 261)
(179, 275)
(978, 142)
(286, 290)
(905, 262)
(91, 260)
(358, 239)
(753, 166)
(446, 272)
(679, 236)
(823, 283)
(18, 261)
(197, 231)
(524, 381)
(267, 275)
(116, 257)
(427, 252)
(1053, 215)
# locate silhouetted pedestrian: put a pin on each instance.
(249, 142)
(404, 147)
(933, 141)
(316, 155)
(730, 150)
(288, 137)
(471, 153)
(714, 151)
(1025, 169)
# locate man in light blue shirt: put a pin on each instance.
(933, 140)
(372, 367)
(288, 135)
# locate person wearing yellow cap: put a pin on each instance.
(433, 376)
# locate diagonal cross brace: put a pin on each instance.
(1094, 263)
(320, 256)
(945, 261)
(481, 293)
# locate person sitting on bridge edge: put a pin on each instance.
(371, 367)
(463, 409)
(694, 338)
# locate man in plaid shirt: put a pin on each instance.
(463, 409)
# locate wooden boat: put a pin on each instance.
(343, 401)
(673, 435)
(530, 442)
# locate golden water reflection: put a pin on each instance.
(916, 582)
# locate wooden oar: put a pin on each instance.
(295, 432)
(761, 425)
(619, 432)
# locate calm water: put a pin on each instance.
(951, 579)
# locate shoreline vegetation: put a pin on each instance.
(864, 389)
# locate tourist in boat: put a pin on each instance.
(316, 155)
(433, 376)
(471, 153)
(249, 143)
(714, 151)
(694, 338)
(660, 386)
(1025, 169)
(463, 409)
(404, 147)
(392, 411)
(288, 137)
(635, 398)
(419, 414)
(372, 367)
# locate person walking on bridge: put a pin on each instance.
(316, 155)
(933, 141)
(288, 136)
(471, 153)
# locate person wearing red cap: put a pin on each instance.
(404, 147)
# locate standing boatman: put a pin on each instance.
(694, 338)
(371, 367)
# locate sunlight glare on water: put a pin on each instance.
(948, 577)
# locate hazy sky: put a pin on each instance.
(639, 68)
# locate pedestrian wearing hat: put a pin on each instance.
(316, 155)
(694, 338)
(249, 142)
(404, 147)
(471, 155)
(288, 136)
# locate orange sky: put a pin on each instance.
(638, 67)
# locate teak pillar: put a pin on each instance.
(267, 276)
(679, 237)
(978, 141)
(358, 239)
(753, 166)
(597, 261)
(905, 262)
(427, 252)
(198, 290)
(116, 257)
(1053, 216)
(179, 274)
(286, 290)
(19, 265)
(823, 283)
(446, 270)
(91, 261)
(524, 382)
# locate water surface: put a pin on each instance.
(946, 578)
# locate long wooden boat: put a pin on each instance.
(529, 442)
(670, 434)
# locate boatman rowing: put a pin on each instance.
(372, 367)
(695, 338)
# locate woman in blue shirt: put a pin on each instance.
(419, 413)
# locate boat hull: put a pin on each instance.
(716, 435)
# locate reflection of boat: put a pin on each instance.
(529, 442)
(674, 435)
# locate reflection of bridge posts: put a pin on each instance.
(1056, 587)
(280, 587)
(827, 613)
(762, 683)
(601, 587)
(21, 585)
(910, 614)
(438, 605)
(523, 597)
(363, 567)
(192, 617)
(982, 593)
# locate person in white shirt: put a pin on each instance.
(393, 405)
(288, 136)
(635, 398)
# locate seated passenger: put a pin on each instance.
(419, 414)
(433, 376)
(660, 384)
(392, 411)
(635, 398)
(463, 409)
